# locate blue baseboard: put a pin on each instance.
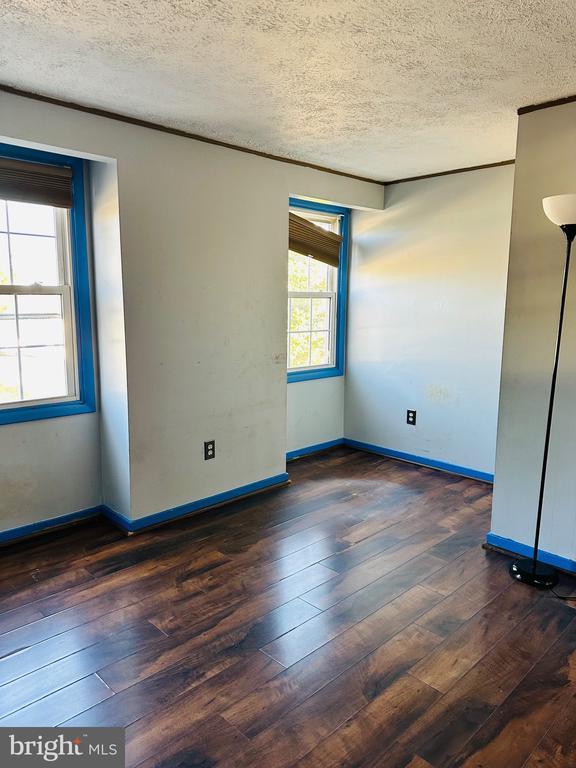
(424, 461)
(24, 531)
(131, 526)
(313, 449)
(525, 550)
(119, 520)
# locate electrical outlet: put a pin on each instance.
(411, 418)
(209, 449)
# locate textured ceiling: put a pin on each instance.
(382, 88)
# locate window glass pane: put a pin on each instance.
(40, 320)
(34, 324)
(34, 260)
(311, 337)
(9, 376)
(320, 353)
(43, 372)
(31, 219)
(297, 272)
(300, 314)
(320, 314)
(4, 261)
(318, 276)
(8, 335)
(299, 350)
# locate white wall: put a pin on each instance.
(114, 428)
(426, 311)
(315, 412)
(204, 234)
(48, 468)
(546, 165)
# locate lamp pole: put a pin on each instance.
(530, 571)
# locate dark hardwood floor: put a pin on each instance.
(350, 619)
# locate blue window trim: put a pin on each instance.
(308, 374)
(86, 402)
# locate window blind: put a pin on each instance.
(310, 240)
(35, 183)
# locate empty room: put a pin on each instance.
(287, 376)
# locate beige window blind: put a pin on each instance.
(310, 240)
(35, 183)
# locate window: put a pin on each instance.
(317, 300)
(46, 366)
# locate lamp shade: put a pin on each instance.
(560, 209)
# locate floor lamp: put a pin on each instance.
(561, 210)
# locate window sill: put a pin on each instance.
(310, 374)
(46, 411)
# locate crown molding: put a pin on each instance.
(467, 169)
(546, 105)
(176, 132)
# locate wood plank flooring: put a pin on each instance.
(349, 619)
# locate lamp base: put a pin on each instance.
(536, 574)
